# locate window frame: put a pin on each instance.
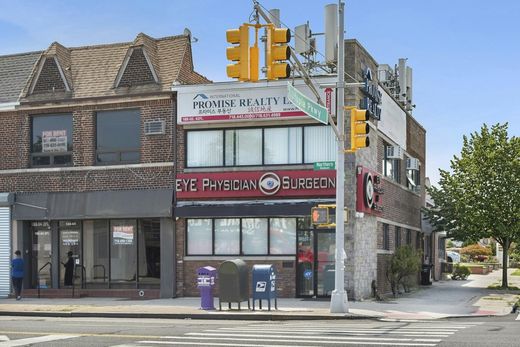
(51, 155)
(241, 249)
(397, 237)
(386, 237)
(396, 165)
(263, 149)
(118, 151)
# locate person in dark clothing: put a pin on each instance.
(17, 273)
(69, 269)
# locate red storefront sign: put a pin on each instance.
(369, 191)
(248, 184)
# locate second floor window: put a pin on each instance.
(118, 136)
(51, 143)
(391, 167)
(260, 146)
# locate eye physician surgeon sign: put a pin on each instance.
(256, 184)
(237, 101)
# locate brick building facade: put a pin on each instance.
(87, 152)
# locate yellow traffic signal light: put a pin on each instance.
(359, 129)
(277, 52)
(320, 215)
(238, 53)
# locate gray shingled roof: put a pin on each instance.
(15, 71)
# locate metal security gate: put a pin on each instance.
(5, 251)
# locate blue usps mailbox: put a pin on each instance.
(206, 282)
(264, 285)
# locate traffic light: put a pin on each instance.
(277, 52)
(359, 129)
(238, 53)
(320, 215)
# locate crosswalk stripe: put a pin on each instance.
(344, 339)
(198, 343)
(333, 340)
(352, 332)
(518, 317)
(33, 340)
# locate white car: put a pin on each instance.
(455, 257)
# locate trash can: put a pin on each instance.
(264, 285)
(233, 283)
(206, 282)
(425, 274)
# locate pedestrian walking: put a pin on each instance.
(17, 273)
(69, 270)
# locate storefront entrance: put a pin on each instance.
(315, 263)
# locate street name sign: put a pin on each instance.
(325, 165)
(306, 105)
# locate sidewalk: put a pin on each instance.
(442, 299)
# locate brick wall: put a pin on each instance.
(137, 70)
(50, 78)
(16, 133)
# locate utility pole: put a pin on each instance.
(338, 300)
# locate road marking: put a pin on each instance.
(33, 340)
(363, 332)
(4, 338)
(293, 340)
(518, 317)
(338, 339)
(198, 343)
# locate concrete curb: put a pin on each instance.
(202, 316)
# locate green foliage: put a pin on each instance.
(402, 268)
(516, 272)
(450, 244)
(480, 196)
(460, 272)
(476, 252)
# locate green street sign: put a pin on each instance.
(311, 108)
(325, 165)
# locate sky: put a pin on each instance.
(465, 54)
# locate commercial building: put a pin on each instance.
(246, 182)
(145, 170)
(87, 164)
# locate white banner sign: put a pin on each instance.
(235, 101)
(54, 141)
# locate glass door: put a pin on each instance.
(71, 269)
(305, 264)
(41, 266)
(325, 262)
(315, 263)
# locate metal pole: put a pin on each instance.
(338, 300)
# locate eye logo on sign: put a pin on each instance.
(269, 183)
(368, 184)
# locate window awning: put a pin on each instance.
(247, 208)
(100, 204)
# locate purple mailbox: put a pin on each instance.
(205, 282)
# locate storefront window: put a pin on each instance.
(283, 145)
(283, 235)
(123, 255)
(200, 240)
(149, 253)
(227, 236)
(70, 252)
(51, 140)
(204, 148)
(95, 253)
(254, 236)
(320, 144)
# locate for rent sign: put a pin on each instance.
(237, 102)
(256, 184)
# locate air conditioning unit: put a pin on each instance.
(412, 164)
(154, 127)
(394, 152)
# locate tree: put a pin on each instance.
(474, 251)
(480, 197)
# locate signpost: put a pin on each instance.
(309, 107)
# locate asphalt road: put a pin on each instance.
(41, 331)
